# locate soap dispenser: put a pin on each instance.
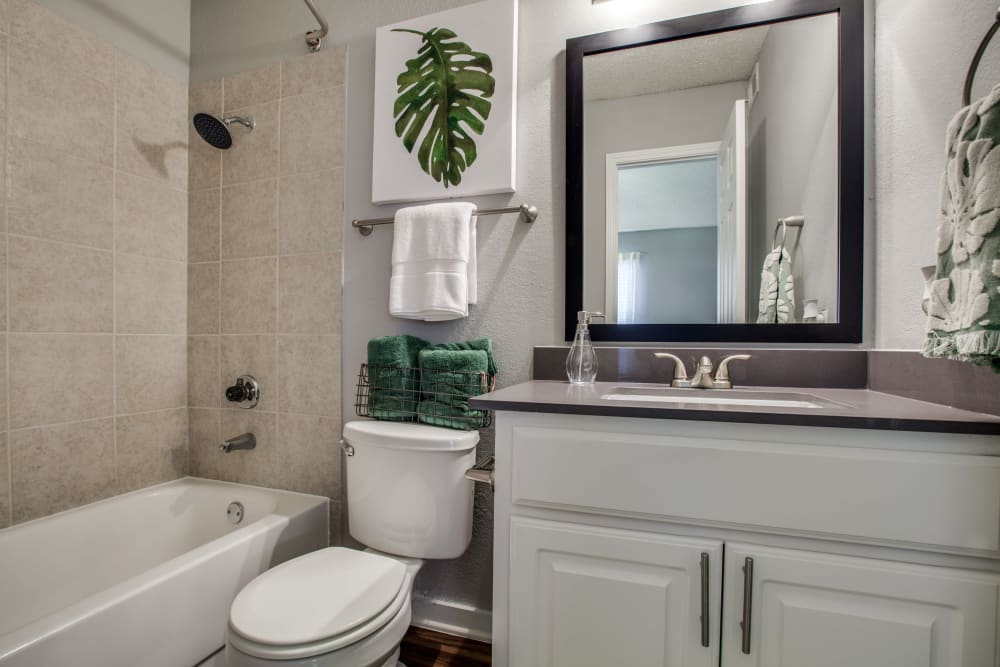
(581, 363)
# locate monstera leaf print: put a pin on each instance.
(957, 302)
(443, 100)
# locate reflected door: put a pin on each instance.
(733, 218)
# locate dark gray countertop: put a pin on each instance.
(859, 408)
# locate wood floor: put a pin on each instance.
(426, 648)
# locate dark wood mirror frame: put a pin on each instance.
(848, 328)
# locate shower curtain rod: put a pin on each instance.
(314, 38)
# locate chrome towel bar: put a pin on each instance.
(528, 214)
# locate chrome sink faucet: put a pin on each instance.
(703, 372)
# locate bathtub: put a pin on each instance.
(144, 579)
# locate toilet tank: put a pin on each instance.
(406, 488)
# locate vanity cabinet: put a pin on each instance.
(647, 542)
(819, 610)
(586, 595)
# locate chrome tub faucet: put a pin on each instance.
(244, 441)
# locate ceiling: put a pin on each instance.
(677, 65)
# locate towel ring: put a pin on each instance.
(976, 59)
(784, 232)
(796, 221)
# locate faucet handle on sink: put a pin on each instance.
(722, 380)
(680, 371)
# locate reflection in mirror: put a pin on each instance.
(694, 152)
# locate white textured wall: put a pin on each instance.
(923, 49)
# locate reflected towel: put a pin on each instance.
(777, 289)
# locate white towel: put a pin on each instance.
(433, 262)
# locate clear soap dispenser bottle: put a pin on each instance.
(581, 363)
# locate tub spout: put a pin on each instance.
(245, 441)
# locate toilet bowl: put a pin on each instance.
(409, 499)
(331, 608)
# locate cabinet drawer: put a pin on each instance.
(944, 500)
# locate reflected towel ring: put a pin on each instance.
(797, 221)
(784, 232)
(976, 59)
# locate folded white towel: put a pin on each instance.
(433, 262)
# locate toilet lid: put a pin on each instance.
(316, 596)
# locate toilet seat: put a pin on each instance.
(318, 603)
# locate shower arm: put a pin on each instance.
(314, 38)
(245, 121)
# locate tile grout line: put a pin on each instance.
(277, 282)
(88, 420)
(114, 272)
(218, 307)
(6, 218)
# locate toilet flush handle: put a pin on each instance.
(482, 472)
(348, 449)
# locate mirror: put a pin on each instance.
(713, 167)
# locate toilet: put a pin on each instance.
(408, 500)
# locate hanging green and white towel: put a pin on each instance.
(777, 289)
(964, 309)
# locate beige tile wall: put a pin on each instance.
(93, 254)
(264, 278)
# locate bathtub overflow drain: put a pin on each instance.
(235, 512)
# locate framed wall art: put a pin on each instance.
(445, 96)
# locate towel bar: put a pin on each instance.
(528, 214)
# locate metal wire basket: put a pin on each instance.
(438, 397)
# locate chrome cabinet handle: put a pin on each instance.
(704, 599)
(747, 603)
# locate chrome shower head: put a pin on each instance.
(216, 130)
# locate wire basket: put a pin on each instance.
(430, 396)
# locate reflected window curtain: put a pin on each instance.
(628, 285)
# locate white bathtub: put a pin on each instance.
(143, 579)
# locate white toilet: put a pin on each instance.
(408, 499)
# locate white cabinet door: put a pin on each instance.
(816, 610)
(583, 596)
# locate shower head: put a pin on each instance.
(216, 130)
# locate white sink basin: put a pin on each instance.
(719, 397)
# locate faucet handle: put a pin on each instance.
(722, 380)
(680, 371)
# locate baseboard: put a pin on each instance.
(453, 619)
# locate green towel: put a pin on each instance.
(964, 310)
(449, 378)
(484, 344)
(393, 378)
(450, 416)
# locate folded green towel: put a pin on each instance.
(450, 416)
(393, 378)
(452, 377)
(484, 344)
